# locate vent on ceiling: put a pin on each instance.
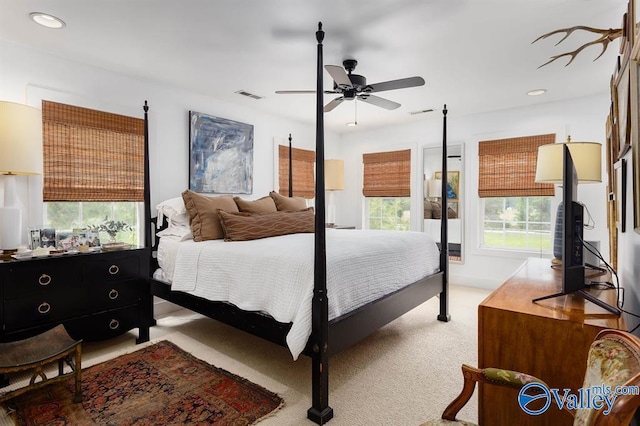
(422, 111)
(247, 94)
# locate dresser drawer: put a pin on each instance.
(113, 295)
(104, 325)
(111, 268)
(24, 278)
(25, 312)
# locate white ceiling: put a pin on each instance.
(475, 55)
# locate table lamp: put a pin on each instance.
(434, 188)
(333, 181)
(587, 157)
(20, 154)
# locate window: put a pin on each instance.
(69, 215)
(93, 168)
(389, 213)
(387, 188)
(516, 211)
(519, 223)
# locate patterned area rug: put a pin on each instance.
(158, 385)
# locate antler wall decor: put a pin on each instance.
(606, 37)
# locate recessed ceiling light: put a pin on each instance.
(47, 20)
(536, 92)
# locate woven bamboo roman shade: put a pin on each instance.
(507, 167)
(91, 155)
(387, 174)
(303, 171)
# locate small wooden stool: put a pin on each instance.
(36, 352)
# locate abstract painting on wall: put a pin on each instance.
(221, 155)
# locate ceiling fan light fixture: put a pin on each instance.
(47, 20)
(536, 92)
(352, 123)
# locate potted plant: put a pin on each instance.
(111, 227)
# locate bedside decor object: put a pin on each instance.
(221, 155)
(334, 181)
(111, 227)
(21, 147)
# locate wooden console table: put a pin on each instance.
(549, 339)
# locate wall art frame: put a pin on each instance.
(634, 74)
(621, 194)
(453, 184)
(220, 155)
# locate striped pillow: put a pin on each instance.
(245, 226)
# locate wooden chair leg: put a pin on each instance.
(471, 376)
(78, 369)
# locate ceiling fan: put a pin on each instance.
(354, 86)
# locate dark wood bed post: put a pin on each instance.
(290, 169)
(147, 179)
(320, 412)
(146, 312)
(444, 247)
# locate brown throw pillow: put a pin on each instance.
(203, 214)
(288, 204)
(436, 210)
(261, 205)
(246, 226)
(451, 213)
(427, 209)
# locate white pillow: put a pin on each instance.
(174, 210)
(182, 232)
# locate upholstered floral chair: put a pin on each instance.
(614, 360)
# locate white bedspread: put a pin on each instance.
(275, 275)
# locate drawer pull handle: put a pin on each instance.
(114, 324)
(44, 279)
(44, 308)
(114, 269)
(113, 294)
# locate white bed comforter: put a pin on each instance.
(275, 275)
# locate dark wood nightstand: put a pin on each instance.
(95, 295)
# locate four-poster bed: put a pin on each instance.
(327, 336)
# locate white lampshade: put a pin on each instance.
(20, 154)
(434, 187)
(333, 175)
(20, 139)
(586, 156)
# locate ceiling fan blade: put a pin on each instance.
(378, 101)
(297, 92)
(396, 84)
(339, 75)
(334, 103)
(294, 92)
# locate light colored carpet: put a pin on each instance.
(404, 374)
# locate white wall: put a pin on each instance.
(26, 76)
(583, 119)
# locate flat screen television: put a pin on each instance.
(573, 278)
